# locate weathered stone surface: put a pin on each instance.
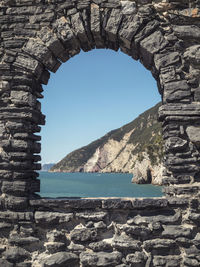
(166, 261)
(175, 144)
(16, 254)
(126, 243)
(174, 231)
(164, 219)
(113, 24)
(52, 217)
(138, 259)
(29, 64)
(150, 45)
(100, 246)
(91, 216)
(193, 133)
(187, 31)
(165, 60)
(83, 235)
(54, 247)
(158, 244)
(100, 259)
(5, 263)
(61, 259)
(174, 91)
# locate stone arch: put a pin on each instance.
(35, 39)
(144, 32)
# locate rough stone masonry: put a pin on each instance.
(35, 38)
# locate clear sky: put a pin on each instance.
(90, 95)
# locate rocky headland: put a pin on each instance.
(134, 148)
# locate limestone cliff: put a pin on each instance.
(134, 148)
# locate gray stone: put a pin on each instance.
(113, 24)
(29, 64)
(175, 144)
(135, 231)
(100, 259)
(192, 54)
(80, 32)
(62, 259)
(174, 231)
(100, 246)
(138, 259)
(165, 60)
(164, 219)
(92, 216)
(193, 133)
(151, 45)
(174, 91)
(187, 31)
(125, 243)
(83, 235)
(169, 261)
(16, 254)
(95, 25)
(128, 8)
(128, 29)
(159, 244)
(37, 49)
(23, 98)
(5, 263)
(52, 217)
(54, 247)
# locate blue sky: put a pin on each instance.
(91, 94)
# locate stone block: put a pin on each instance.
(5, 263)
(83, 235)
(29, 64)
(65, 34)
(95, 26)
(43, 217)
(112, 25)
(128, 29)
(138, 259)
(126, 243)
(17, 187)
(102, 259)
(91, 216)
(175, 91)
(149, 203)
(54, 247)
(80, 31)
(61, 259)
(16, 254)
(193, 133)
(165, 60)
(175, 144)
(101, 246)
(128, 8)
(186, 31)
(175, 231)
(23, 98)
(168, 261)
(151, 45)
(116, 204)
(37, 49)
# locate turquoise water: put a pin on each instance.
(94, 185)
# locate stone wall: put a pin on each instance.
(36, 37)
(103, 232)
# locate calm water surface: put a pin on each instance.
(94, 185)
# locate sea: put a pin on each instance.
(58, 185)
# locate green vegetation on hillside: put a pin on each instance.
(146, 136)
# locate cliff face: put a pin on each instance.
(134, 148)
